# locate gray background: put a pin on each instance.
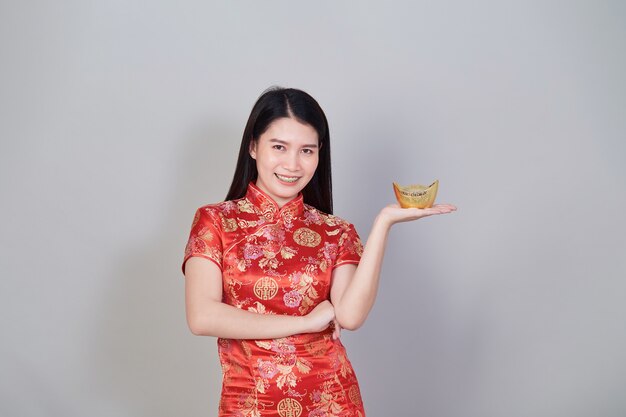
(119, 119)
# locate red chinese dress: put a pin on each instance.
(279, 261)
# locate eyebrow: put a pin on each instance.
(282, 142)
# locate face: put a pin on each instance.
(286, 157)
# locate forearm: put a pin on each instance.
(223, 320)
(360, 294)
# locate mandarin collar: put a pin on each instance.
(269, 209)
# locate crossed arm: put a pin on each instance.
(352, 295)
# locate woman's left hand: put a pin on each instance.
(393, 213)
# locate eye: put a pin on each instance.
(308, 151)
(278, 147)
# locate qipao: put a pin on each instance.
(279, 261)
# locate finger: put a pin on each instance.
(337, 330)
(442, 209)
(432, 211)
(445, 206)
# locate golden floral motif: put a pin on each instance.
(355, 395)
(229, 225)
(248, 405)
(344, 366)
(269, 260)
(331, 220)
(316, 349)
(359, 248)
(245, 206)
(287, 253)
(259, 308)
(326, 402)
(268, 210)
(282, 266)
(289, 407)
(265, 288)
(288, 216)
(246, 348)
(307, 237)
(206, 235)
(244, 224)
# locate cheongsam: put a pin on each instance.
(279, 261)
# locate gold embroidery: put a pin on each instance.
(307, 237)
(263, 344)
(248, 405)
(359, 248)
(303, 365)
(229, 225)
(245, 206)
(355, 395)
(268, 210)
(206, 235)
(279, 261)
(289, 407)
(331, 220)
(287, 253)
(315, 348)
(244, 224)
(246, 349)
(265, 288)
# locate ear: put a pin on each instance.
(252, 149)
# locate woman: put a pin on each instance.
(275, 276)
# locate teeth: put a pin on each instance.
(287, 179)
(420, 196)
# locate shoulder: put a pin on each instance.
(216, 212)
(319, 217)
(224, 207)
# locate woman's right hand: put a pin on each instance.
(320, 317)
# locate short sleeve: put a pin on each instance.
(205, 238)
(350, 247)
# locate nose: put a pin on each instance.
(292, 161)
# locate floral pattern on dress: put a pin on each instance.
(279, 260)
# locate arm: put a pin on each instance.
(354, 288)
(207, 315)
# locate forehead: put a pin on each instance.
(289, 130)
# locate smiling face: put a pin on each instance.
(286, 157)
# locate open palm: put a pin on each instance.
(396, 214)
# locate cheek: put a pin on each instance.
(312, 164)
(265, 159)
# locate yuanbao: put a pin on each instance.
(417, 195)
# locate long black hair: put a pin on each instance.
(274, 103)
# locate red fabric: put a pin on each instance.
(279, 261)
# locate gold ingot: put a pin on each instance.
(417, 196)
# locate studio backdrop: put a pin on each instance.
(118, 119)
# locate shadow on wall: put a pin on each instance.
(146, 361)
